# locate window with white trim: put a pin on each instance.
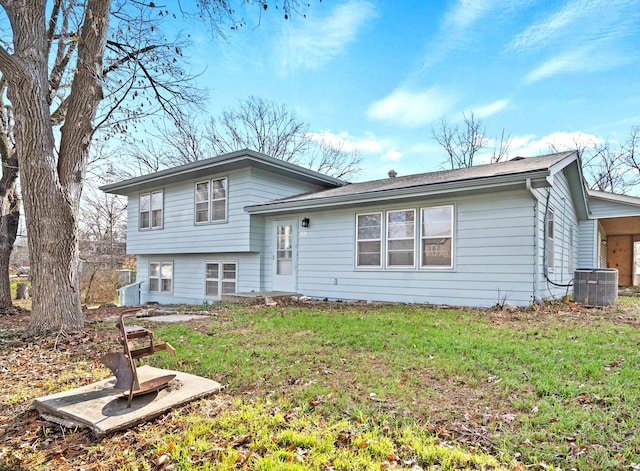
(161, 277)
(219, 199)
(436, 245)
(550, 240)
(369, 240)
(150, 205)
(401, 238)
(220, 278)
(211, 201)
(202, 202)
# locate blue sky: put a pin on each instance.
(377, 75)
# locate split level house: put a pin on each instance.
(510, 232)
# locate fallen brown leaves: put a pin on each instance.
(32, 368)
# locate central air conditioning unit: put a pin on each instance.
(596, 287)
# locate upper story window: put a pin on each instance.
(369, 240)
(151, 210)
(211, 201)
(202, 202)
(401, 238)
(437, 236)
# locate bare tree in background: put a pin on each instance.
(501, 147)
(102, 223)
(463, 142)
(607, 166)
(256, 124)
(102, 229)
(261, 125)
(9, 198)
(69, 66)
(102, 244)
(271, 128)
(631, 153)
(169, 145)
(333, 160)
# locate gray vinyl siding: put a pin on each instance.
(493, 256)
(240, 233)
(588, 252)
(557, 282)
(604, 209)
(189, 276)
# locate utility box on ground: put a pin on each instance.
(597, 287)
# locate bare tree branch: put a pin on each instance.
(463, 142)
(272, 129)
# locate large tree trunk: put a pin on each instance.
(52, 179)
(51, 223)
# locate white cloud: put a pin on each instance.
(528, 146)
(465, 13)
(567, 62)
(348, 143)
(541, 33)
(319, 39)
(372, 148)
(491, 108)
(520, 142)
(582, 36)
(392, 155)
(456, 28)
(589, 58)
(412, 108)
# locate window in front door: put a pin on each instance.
(284, 262)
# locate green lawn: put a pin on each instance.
(558, 388)
(334, 386)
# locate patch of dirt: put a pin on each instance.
(17, 318)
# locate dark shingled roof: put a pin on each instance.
(515, 166)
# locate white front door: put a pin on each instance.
(284, 263)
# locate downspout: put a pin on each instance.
(536, 258)
(564, 237)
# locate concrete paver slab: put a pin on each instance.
(104, 410)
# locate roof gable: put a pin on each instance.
(221, 163)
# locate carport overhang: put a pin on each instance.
(629, 225)
(619, 219)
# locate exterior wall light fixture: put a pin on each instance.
(305, 222)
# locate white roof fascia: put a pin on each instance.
(624, 199)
